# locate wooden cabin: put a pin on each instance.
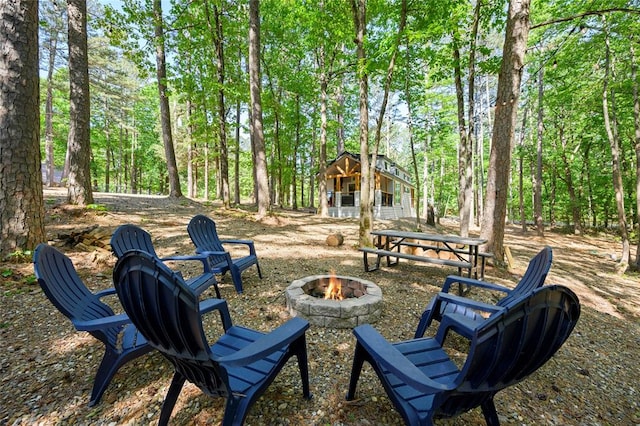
(394, 192)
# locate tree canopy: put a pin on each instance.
(309, 87)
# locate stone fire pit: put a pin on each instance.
(362, 304)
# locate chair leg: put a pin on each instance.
(489, 412)
(259, 270)
(217, 289)
(299, 347)
(358, 361)
(236, 278)
(234, 412)
(170, 400)
(106, 370)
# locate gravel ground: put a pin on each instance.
(47, 369)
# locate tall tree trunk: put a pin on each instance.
(133, 165)
(427, 205)
(471, 114)
(508, 93)
(523, 219)
(236, 170)
(553, 198)
(322, 166)
(407, 91)
(120, 162)
(252, 139)
(107, 150)
(79, 184)
(301, 174)
(276, 156)
(260, 165)
(275, 167)
(165, 113)
(296, 147)
(537, 182)
(636, 121)
(480, 152)
(49, 159)
(587, 173)
(615, 159)
(340, 118)
(21, 203)
(222, 124)
(383, 106)
(54, 14)
(107, 166)
(464, 202)
(312, 165)
(466, 134)
(574, 204)
(65, 168)
(191, 187)
(206, 166)
(359, 8)
(478, 169)
(217, 36)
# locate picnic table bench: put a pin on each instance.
(388, 243)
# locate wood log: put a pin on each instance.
(335, 240)
(86, 239)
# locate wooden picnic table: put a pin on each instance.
(389, 242)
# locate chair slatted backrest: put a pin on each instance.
(514, 343)
(533, 277)
(131, 237)
(204, 235)
(166, 311)
(64, 288)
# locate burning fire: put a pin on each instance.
(334, 289)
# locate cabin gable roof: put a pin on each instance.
(348, 164)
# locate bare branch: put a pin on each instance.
(588, 13)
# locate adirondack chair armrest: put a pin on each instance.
(202, 282)
(385, 354)
(216, 253)
(455, 279)
(198, 257)
(105, 292)
(248, 243)
(437, 308)
(269, 343)
(469, 303)
(211, 252)
(101, 323)
(209, 305)
(234, 241)
(461, 324)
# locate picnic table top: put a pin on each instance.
(444, 238)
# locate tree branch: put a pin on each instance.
(582, 15)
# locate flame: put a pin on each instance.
(334, 289)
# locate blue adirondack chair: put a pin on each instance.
(444, 302)
(131, 237)
(238, 366)
(424, 383)
(64, 288)
(204, 235)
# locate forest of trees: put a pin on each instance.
(246, 102)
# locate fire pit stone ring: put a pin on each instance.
(345, 313)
